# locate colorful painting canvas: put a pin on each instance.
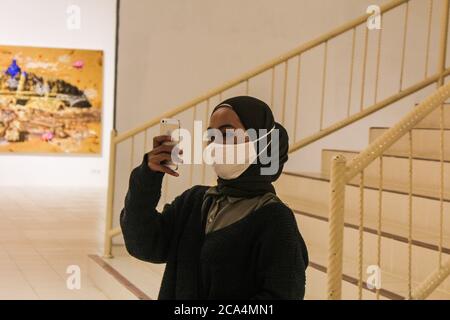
(50, 100)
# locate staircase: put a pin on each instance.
(379, 213)
(308, 195)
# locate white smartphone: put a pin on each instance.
(168, 127)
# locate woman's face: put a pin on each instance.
(228, 123)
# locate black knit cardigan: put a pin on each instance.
(261, 256)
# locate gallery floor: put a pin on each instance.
(43, 231)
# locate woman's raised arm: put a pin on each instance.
(147, 233)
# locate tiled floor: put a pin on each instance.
(42, 232)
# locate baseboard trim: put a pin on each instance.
(138, 293)
(383, 292)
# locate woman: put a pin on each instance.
(236, 240)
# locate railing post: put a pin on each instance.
(110, 196)
(443, 41)
(336, 227)
(442, 62)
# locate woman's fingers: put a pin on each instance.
(165, 148)
(162, 153)
(172, 151)
(162, 157)
(155, 163)
(169, 149)
(158, 140)
(167, 157)
(168, 171)
(163, 168)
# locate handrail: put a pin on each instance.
(258, 70)
(393, 134)
(342, 172)
(368, 111)
(427, 286)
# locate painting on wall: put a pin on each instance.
(50, 100)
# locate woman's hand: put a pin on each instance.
(161, 154)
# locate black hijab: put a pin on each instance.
(257, 115)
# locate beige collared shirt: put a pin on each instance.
(226, 210)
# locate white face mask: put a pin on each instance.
(230, 168)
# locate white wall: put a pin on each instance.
(43, 23)
(173, 51)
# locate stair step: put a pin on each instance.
(311, 216)
(125, 277)
(316, 284)
(312, 192)
(134, 279)
(426, 173)
(433, 120)
(144, 278)
(421, 236)
(393, 256)
(426, 143)
(109, 280)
